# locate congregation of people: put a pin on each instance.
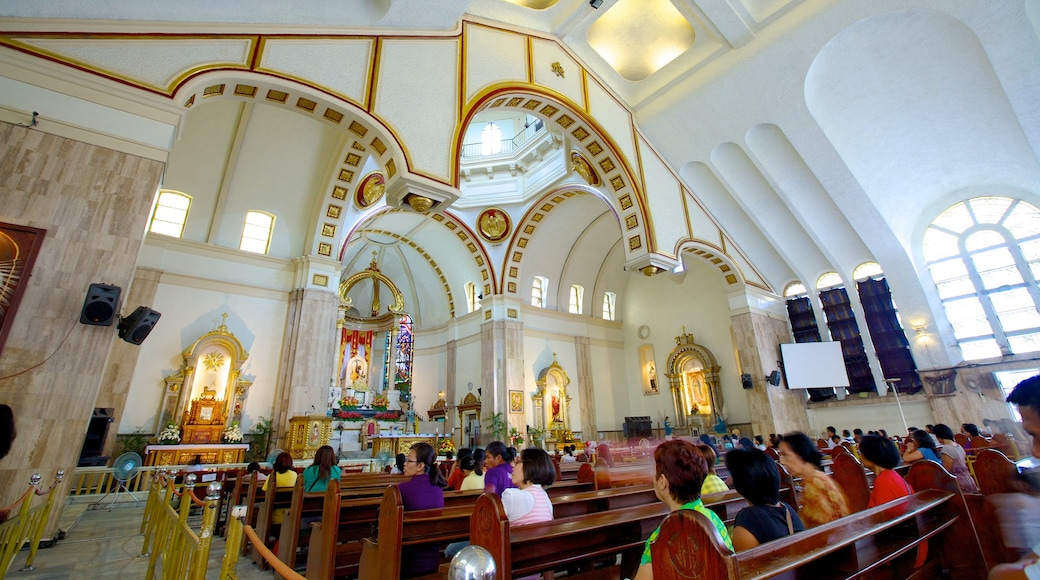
(686, 470)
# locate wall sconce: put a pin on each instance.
(920, 331)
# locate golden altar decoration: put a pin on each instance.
(394, 444)
(306, 434)
(439, 409)
(187, 454)
(693, 379)
(551, 402)
(207, 393)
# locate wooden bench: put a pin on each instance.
(606, 477)
(564, 543)
(878, 542)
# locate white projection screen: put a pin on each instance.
(814, 365)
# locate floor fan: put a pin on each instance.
(273, 455)
(126, 467)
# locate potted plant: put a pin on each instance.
(348, 403)
(260, 439)
(496, 427)
(170, 435)
(380, 403)
(516, 437)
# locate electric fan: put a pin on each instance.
(273, 455)
(125, 469)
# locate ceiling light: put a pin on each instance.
(595, 3)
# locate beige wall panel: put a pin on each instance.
(700, 223)
(421, 108)
(545, 54)
(664, 194)
(198, 162)
(613, 118)
(282, 168)
(493, 56)
(157, 63)
(94, 204)
(429, 371)
(342, 66)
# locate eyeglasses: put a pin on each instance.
(412, 461)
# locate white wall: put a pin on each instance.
(871, 417)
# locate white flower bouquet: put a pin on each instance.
(233, 434)
(171, 435)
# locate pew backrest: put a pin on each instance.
(995, 473)
(852, 480)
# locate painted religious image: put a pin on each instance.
(493, 224)
(371, 190)
(516, 401)
(18, 248)
(697, 393)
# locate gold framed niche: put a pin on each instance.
(693, 379)
(208, 390)
(551, 402)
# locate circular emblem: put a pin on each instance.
(494, 224)
(372, 188)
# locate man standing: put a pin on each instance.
(1027, 396)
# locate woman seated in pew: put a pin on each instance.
(712, 482)
(398, 467)
(527, 503)
(679, 473)
(757, 479)
(920, 447)
(473, 473)
(498, 468)
(283, 476)
(325, 467)
(881, 456)
(423, 491)
(456, 476)
(822, 501)
(953, 459)
(253, 472)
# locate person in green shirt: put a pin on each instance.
(680, 472)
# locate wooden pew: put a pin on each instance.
(996, 473)
(275, 498)
(878, 542)
(606, 477)
(848, 473)
(335, 546)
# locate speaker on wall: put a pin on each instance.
(101, 305)
(135, 328)
(774, 378)
(745, 381)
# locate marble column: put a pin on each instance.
(119, 368)
(451, 417)
(587, 412)
(502, 370)
(94, 204)
(307, 359)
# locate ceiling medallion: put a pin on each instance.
(494, 224)
(650, 270)
(372, 188)
(558, 69)
(419, 203)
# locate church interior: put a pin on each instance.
(539, 216)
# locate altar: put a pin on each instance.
(185, 454)
(395, 444)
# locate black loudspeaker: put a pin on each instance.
(101, 306)
(745, 381)
(774, 378)
(135, 328)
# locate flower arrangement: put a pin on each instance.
(350, 416)
(517, 437)
(381, 403)
(233, 434)
(446, 444)
(348, 403)
(171, 435)
(568, 435)
(388, 416)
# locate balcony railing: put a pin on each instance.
(506, 146)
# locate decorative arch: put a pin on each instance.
(528, 224)
(621, 182)
(372, 273)
(551, 402)
(693, 378)
(715, 256)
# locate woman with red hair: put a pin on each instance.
(679, 474)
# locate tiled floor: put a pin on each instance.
(105, 545)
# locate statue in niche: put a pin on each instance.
(652, 373)
(556, 405)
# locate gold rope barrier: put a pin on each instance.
(281, 569)
(38, 520)
(28, 525)
(184, 553)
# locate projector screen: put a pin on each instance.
(814, 365)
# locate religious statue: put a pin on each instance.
(652, 373)
(556, 406)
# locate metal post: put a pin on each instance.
(891, 385)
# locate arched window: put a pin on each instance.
(538, 291)
(867, 270)
(491, 140)
(577, 295)
(609, 300)
(828, 280)
(795, 289)
(256, 235)
(170, 213)
(984, 257)
(473, 296)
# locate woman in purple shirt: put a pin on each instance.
(498, 468)
(422, 492)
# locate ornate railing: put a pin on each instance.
(184, 553)
(27, 525)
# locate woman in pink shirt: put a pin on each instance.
(528, 503)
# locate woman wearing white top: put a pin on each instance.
(474, 474)
(528, 503)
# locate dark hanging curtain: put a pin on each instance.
(841, 321)
(890, 343)
(803, 325)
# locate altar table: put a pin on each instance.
(185, 454)
(395, 444)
